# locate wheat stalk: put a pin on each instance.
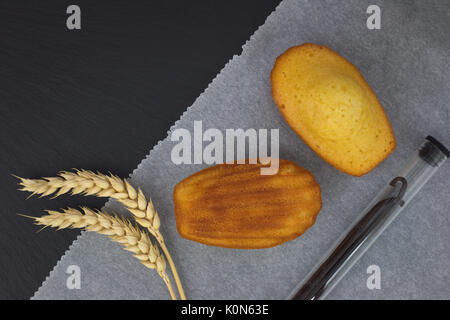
(87, 183)
(117, 229)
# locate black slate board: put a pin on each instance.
(96, 98)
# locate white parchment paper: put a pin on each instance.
(406, 62)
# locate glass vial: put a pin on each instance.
(373, 221)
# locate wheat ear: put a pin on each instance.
(87, 183)
(117, 229)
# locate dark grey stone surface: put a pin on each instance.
(96, 98)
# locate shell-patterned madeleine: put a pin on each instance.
(235, 206)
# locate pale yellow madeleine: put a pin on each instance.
(331, 107)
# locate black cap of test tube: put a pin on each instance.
(433, 152)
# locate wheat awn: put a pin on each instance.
(117, 229)
(86, 182)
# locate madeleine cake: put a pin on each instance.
(234, 206)
(327, 102)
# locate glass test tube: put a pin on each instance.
(373, 221)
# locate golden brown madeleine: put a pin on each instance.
(234, 206)
(327, 102)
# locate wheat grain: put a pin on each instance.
(118, 229)
(89, 183)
